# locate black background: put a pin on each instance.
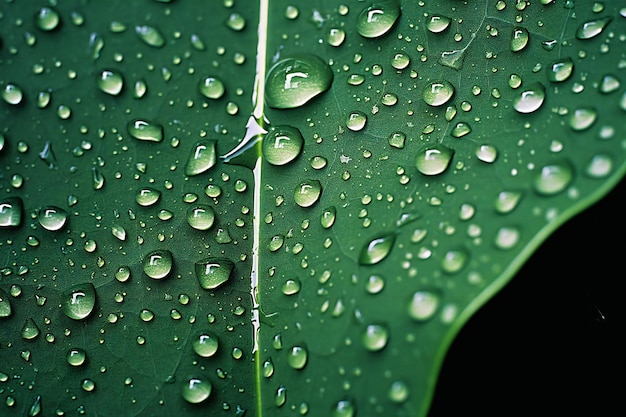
(552, 341)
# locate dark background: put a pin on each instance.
(552, 341)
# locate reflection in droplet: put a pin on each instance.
(52, 218)
(297, 357)
(211, 87)
(519, 39)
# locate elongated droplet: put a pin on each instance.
(328, 217)
(158, 264)
(307, 193)
(206, 345)
(145, 130)
(438, 93)
(293, 81)
(5, 305)
(377, 249)
(150, 35)
(592, 28)
(423, 305)
(52, 218)
(213, 272)
(280, 398)
(378, 19)
(530, 99)
(80, 301)
(506, 201)
(203, 156)
(519, 39)
(560, 70)
(553, 178)
(433, 159)
(196, 390)
(282, 145)
(11, 210)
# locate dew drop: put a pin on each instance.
(438, 93)
(454, 260)
(378, 19)
(268, 368)
(30, 330)
(76, 357)
(519, 39)
(201, 217)
(437, 23)
(592, 28)
(47, 19)
(506, 201)
(375, 337)
(280, 398)
(344, 408)
(80, 301)
(398, 392)
(205, 345)
(433, 159)
(530, 99)
(150, 36)
(423, 305)
(487, 153)
(356, 121)
(582, 119)
(297, 357)
(11, 210)
(5, 305)
(600, 166)
(336, 36)
(460, 129)
(397, 140)
(211, 87)
(282, 145)
(147, 196)
(158, 264)
(400, 61)
(553, 178)
(146, 315)
(307, 193)
(328, 216)
(52, 218)
(110, 82)
(12, 94)
(236, 22)
(196, 390)
(291, 286)
(507, 237)
(293, 81)
(377, 249)
(145, 130)
(88, 385)
(560, 70)
(213, 272)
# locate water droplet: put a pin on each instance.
(150, 35)
(336, 36)
(30, 330)
(211, 87)
(293, 81)
(438, 93)
(327, 219)
(213, 272)
(80, 301)
(400, 61)
(140, 88)
(201, 217)
(196, 390)
(507, 237)
(110, 82)
(507, 201)
(378, 19)
(356, 121)
(307, 193)
(452, 59)
(268, 368)
(530, 99)
(433, 159)
(454, 260)
(76, 357)
(437, 23)
(146, 315)
(582, 119)
(600, 166)
(52, 218)
(519, 39)
(158, 264)
(276, 242)
(487, 153)
(375, 337)
(592, 28)
(145, 130)
(423, 305)
(47, 19)
(281, 396)
(344, 408)
(291, 286)
(398, 392)
(560, 70)
(205, 345)
(11, 210)
(297, 357)
(35, 408)
(377, 249)
(5, 305)
(147, 196)
(236, 22)
(460, 129)
(88, 385)
(609, 84)
(12, 94)
(282, 145)
(553, 178)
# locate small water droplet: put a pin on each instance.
(280, 398)
(213, 272)
(378, 18)
(282, 145)
(206, 345)
(553, 178)
(530, 99)
(560, 70)
(438, 93)
(293, 81)
(52, 218)
(5, 305)
(592, 28)
(158, 264)
(460, 129)
(437, 23)
(344, 408)
(35, 408)
(80, 301)
(145, 130)
(600, 166)
(88, 385)
(328, 216)
(110, 82)
(375, 337)
(150, 35)
(196, 390)
(146, 315)
(377, 249)
(398, 392)
(433, 159)
(307, 193)
(297, 357)
(336, 36)
(506, 201)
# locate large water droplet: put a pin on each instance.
(377, 19)
(150, 35)
(201, 217)
(5, 304)
(211, 87)
(293, 81)
(205, 345)
(553, 178)
(213, 272)
(356, 121)
(47, 19)
(519, 39)
(530, 99)
(158, 264)
(437, 23)
(110, 82)
(560, 70)
(12, 94)
(11, 210)
(375, 337)
(433, 159)
(582, 119)
(438, 93)
(203, 156)
(80, 301)
(454, 260)
(147, 196)
(282, 145)
(344, 408)
(592, 28)
(52, 218)
(30, 330)
(297, 357)
(423, 305)
(377, 249)
(327, 219)
(196, 390)
(145, 130)
(307, 193)
(76, 357)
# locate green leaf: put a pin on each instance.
(282, 208)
